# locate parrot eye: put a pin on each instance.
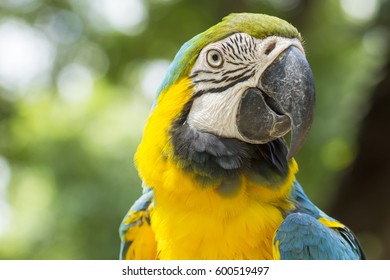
(214, 58)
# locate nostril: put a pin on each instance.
(270, 48)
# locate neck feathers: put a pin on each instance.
(212, 158)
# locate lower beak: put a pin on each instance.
(284, 100)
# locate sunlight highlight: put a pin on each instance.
(152, 76)
(125, 16)
(360, 10)
(5, 209)
(75, 83)
(26, 56)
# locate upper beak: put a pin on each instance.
(283, 100)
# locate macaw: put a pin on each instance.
(218, 177)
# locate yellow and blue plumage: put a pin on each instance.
(219, 180)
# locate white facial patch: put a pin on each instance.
(216, 113)
(220, 85)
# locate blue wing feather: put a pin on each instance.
(302, 236)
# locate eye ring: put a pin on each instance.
(214, 58)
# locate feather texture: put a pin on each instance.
(211, 196)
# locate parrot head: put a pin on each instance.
(247, 84)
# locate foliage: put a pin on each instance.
(67, 137)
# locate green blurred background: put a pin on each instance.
(77, 79)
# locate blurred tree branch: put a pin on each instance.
(362, 202)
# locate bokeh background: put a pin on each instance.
(77, 79)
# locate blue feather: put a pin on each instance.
(302, 236)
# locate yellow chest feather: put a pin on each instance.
(192, 221)
(244, 233)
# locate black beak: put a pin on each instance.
(284, 100)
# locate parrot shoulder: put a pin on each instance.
(137, 236)
(302, 236)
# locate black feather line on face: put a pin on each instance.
(211, 157)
